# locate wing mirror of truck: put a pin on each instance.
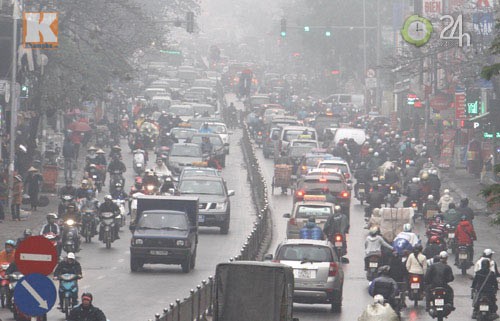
(268, 257)
(230, 192)
(286, 215)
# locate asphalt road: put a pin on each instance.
(138, 296)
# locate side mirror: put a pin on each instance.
(230, 192)
(268, 257)
(344, 260)
(286, 215)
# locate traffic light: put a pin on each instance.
(283, 27)
(24, 91)
(190, 21)
(307, 28)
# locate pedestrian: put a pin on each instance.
(17, 198)
(68, 154)
(32, 185)
(76, 138)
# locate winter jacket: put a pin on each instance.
(467, 211)
(416, 264)
(373, 245)
(493, 265)
(464, 233)
(68, 149)
(444, 202)
(336, 223)
(378, 312)
(439, 274)
(86, 314)
(485, 280)
(452, 217)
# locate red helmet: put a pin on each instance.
(434, 239)
(138, 180)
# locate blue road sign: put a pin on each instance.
(35, 294)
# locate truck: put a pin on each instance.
(271, 296)
(164, 231)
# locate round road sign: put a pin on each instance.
(370, 73)
(35, 294)
(36, 254)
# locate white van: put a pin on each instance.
(290, 133)
(358, 134)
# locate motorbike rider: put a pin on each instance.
(416, 264)
(374, 243)
(430, 205)
(168, 185)
(116, 151)
(405, 240)
(206, 146)
(385, 286)
(445, 201)
(105, 207)
(82, 191)
(485, 284)
(362, 175)
(413, 192)
(487, 255)
(439, 275)
(51, 226)
(9, 253)
(311, 230)
(434, 247)
(161, 169)
(410, 171)
(391, 176)
(464, 209)
(86, 311)
(68, 266)
(205, 129)
(375, 198)
(116, 165)
(465, 236)
(91, 204)
(118, 193)
(150, 179)
(435, 182)
(375, 162)
(451, 216)
(91, 157)
(338, 223)
(68, 189)
(26, 233)
(378, 311)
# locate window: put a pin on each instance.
(162, 220)
(305, 211)
(302, 252)
(186, 150)
(201, 187)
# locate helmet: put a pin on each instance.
(418, 248)
(413, 139)
(27, 232)
(108, 198)
(397, 136)
(443, 255)
(100, 151)
(91, 149)
(425, 176)
(430, 197)
(407, 227)
(71, 255)
(384, 269)
(337, 209)
(488, 252)
(412, 163)
(375, 154)
(373, 231)
(4, 265)
(434, 239)
(463, 218)
(414, 180)
(370, 150)
(378, 141)
(52, 216)
(10, 242)
(87, 296)
(85, 182)
(446, 191)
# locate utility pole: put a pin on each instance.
(378, 94)
(365, 67)
(16, 15)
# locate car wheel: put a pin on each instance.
(135, 265)
(193, 260)
(337, 301)
(186, 265)
(224, 229)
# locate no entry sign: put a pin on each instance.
(36, 254)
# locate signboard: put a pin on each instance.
(440, 102)
(35, 294)
(370, 73)
(460, 105)
(371, 82)
(432, 8)
(36, 254)
(447, 148)
(3, 85)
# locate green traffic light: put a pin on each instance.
(307, 29)
(328, 33)
(283, 34)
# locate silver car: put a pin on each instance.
(318, 273)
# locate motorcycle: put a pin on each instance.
(88, 223)
(415, 205)
(54, 239)
(439, 308)
(68, 289)
(415, 292)
(13, 279)
(259, 139)
(120, 219)
(108, 228)
(450, 241)
(4, 284)
(70, 236)
(393, 196)
(139, 162)
(361, 196)
(116, 177)
(482, 309)
(464, 261)
(339, 245)
(373, 264)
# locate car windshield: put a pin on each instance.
(163, 221)
(215, 140)
(182, 133)
(314, 161)
(201, 187)
(201, 109)
(295, 134)
(318, 211)
(199, 172)
(305, 252)
(218, 129)
(186, 150)
(342, 167)
(299, 151)
(182, 111)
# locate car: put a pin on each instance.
(290, 133)
(357, 134)
(337, 163)
(299, 147)
(185, 112)
(214, 206)
(310, 161)
(318, 273)
(182, 155)
(219, 148)
(183, 134)
(198, 121)
(199, 171)
(221, 130)
(202, 109)
(312, 205)
(273, 111)
(331, 183)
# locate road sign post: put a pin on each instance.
(35, 294)
(36, 254)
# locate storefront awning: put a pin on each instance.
(480, 117)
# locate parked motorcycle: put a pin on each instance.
(68, 289)
(439, 308)
(108, 228)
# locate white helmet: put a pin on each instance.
(407, 227)
(414, 179)
(446, 191)
(375, 154)
(430, 197)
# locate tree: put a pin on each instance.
(492, 195)
(493, 71)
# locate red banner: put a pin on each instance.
(447, 148)
(460, 105)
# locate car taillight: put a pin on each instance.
(299, 193)
(334, 268)
(344, 194)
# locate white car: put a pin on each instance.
(337, 163)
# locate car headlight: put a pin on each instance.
(138, 241)
(220, 206)
(180, 243)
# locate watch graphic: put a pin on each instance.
(417, 30)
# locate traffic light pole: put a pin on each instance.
(13, 109)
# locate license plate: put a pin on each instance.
(373, 264)
(462, 256)
(439, 302)
(159, 252)
(304, 274)
(451, 235)
(201, 218)
(361, 190)
(338, 244)
(415, 285)
(484, 308)
(393, 191)
(375, 179)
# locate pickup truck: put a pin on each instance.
(164, 231)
